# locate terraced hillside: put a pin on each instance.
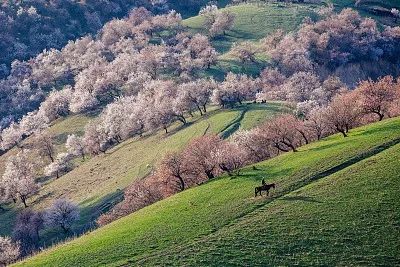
(98, 182)
(336, 203)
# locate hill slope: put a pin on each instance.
(356, 179)
(252, 23)
(98, 182)
(256, 20)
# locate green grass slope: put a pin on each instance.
(256, 20)
(350, 218)
(333, 192)
(98, 182)
(252, 23)
(60, 130)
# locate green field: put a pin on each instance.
(98, 182)
(336, 203)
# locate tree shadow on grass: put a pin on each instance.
(87, 222)
(90, 212)
(234, 125)
(179, 128)
(260, 173)
(41, 198)
(300, 198)
(324, 147)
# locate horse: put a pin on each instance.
(264, 187)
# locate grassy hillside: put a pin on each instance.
(350, 218)
(60, 130)
(98, 182)
(335, 199)
(252, 23)
(377, 9)
(189, 8)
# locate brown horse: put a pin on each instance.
(264, 187)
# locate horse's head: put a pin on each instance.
(273, 186)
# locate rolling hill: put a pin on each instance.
(132, 159)
(336, 203)
(210, 223)
(254, 21)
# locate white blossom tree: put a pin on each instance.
(60, 165)
(235, 89)
(95, 138)
(11, 136)
(300, 86)
(44, 145)
(18, 179)
(9, 251)
(229, 157)
(32, 122)
(245, 52)
(75, 146)
(57, 104)
(217, 21)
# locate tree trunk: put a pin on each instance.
(280, 148)
(347, 128)
(381, 115)
(342, 131)
(166, 129)
(304, 136)
(225, 169)
(181, 183)
(210, 175)
(204, 108)
(23, 199)
(201, 112)
(293, 148)
(289, 144)
(182, 119)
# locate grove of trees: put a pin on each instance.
(29, 27)
(141, 73)
(206, 157)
